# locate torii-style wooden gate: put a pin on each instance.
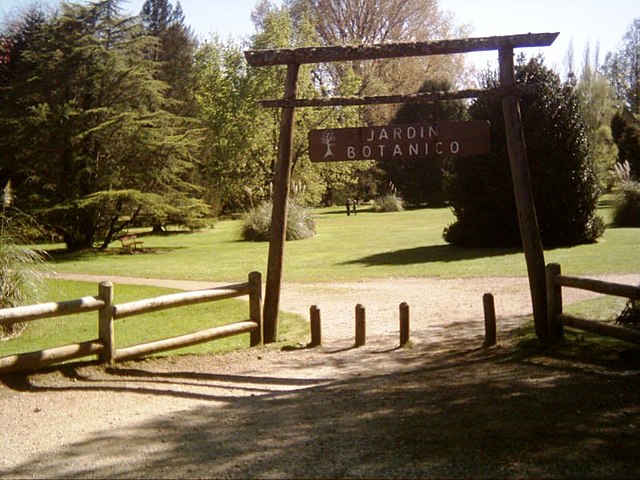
(508, 91)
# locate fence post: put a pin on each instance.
(105, 323)
(554, 301)
(490, 338)
(404, 324)
(316, 330)
(361, 326)
(255, 308)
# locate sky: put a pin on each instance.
(582, 22)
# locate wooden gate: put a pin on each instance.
(508, 92)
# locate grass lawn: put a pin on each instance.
(66, 330)
(369, 245)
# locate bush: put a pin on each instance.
(564, 183)
(22, 279)
(626, 207)
(256, 224)
(388, 203)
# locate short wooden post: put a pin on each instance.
(316, 330)
(404, 324)
(489, 320)
(255, 308)
(554, 301)
(361, 326)
(105, 323)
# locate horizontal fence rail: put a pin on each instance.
(48, 310)
(180, 299)
(557, 319)
(104, 346)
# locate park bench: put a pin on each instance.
(130, 243)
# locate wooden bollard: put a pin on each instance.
(361, 326)
(404, 324)
(489, 320)
(316, 330)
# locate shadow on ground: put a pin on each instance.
(430, 254)
(447, 410)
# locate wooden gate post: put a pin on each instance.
(255, 308)
(281, 185)
(523, 191)
(554, 301)
(105, 323)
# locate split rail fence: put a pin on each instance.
(558, 319)
(104, 346)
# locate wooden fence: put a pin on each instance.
(558, 319)
(104, 346)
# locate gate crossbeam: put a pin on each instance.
(344, 53)
(425, 97)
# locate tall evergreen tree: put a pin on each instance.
(92, 146)
(625, 127)
(564, 183)
(175, 50)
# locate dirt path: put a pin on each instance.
(443, 408)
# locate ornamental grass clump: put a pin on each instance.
(22, 276)
(626, 208)
(391, 202)
(256, 225)
(388, 203)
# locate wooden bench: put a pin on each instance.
(130, 243)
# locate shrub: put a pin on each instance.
(22, 279)
(256, 224)
(626, 207)
(388, 203)
(564, 183)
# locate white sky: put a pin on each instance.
(580, 21)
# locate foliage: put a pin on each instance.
(597, 101)
(625, 127)
(626, 209)
(422, 181)
(630, 315)
(83, 117)
(256, 224)
(367, 22)
(174, 50)
(621, 68)
(388, 203)
(564, 183)
(22, 269)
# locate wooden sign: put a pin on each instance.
(395, 142)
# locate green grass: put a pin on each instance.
(66, 330)
(369, 245)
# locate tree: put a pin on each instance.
(22, 276)
(625, 128)
(358, 22)
(623, 68)
(597, 102)
(564, 183)
(174, 50)
(89, 142)
(421, 181)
